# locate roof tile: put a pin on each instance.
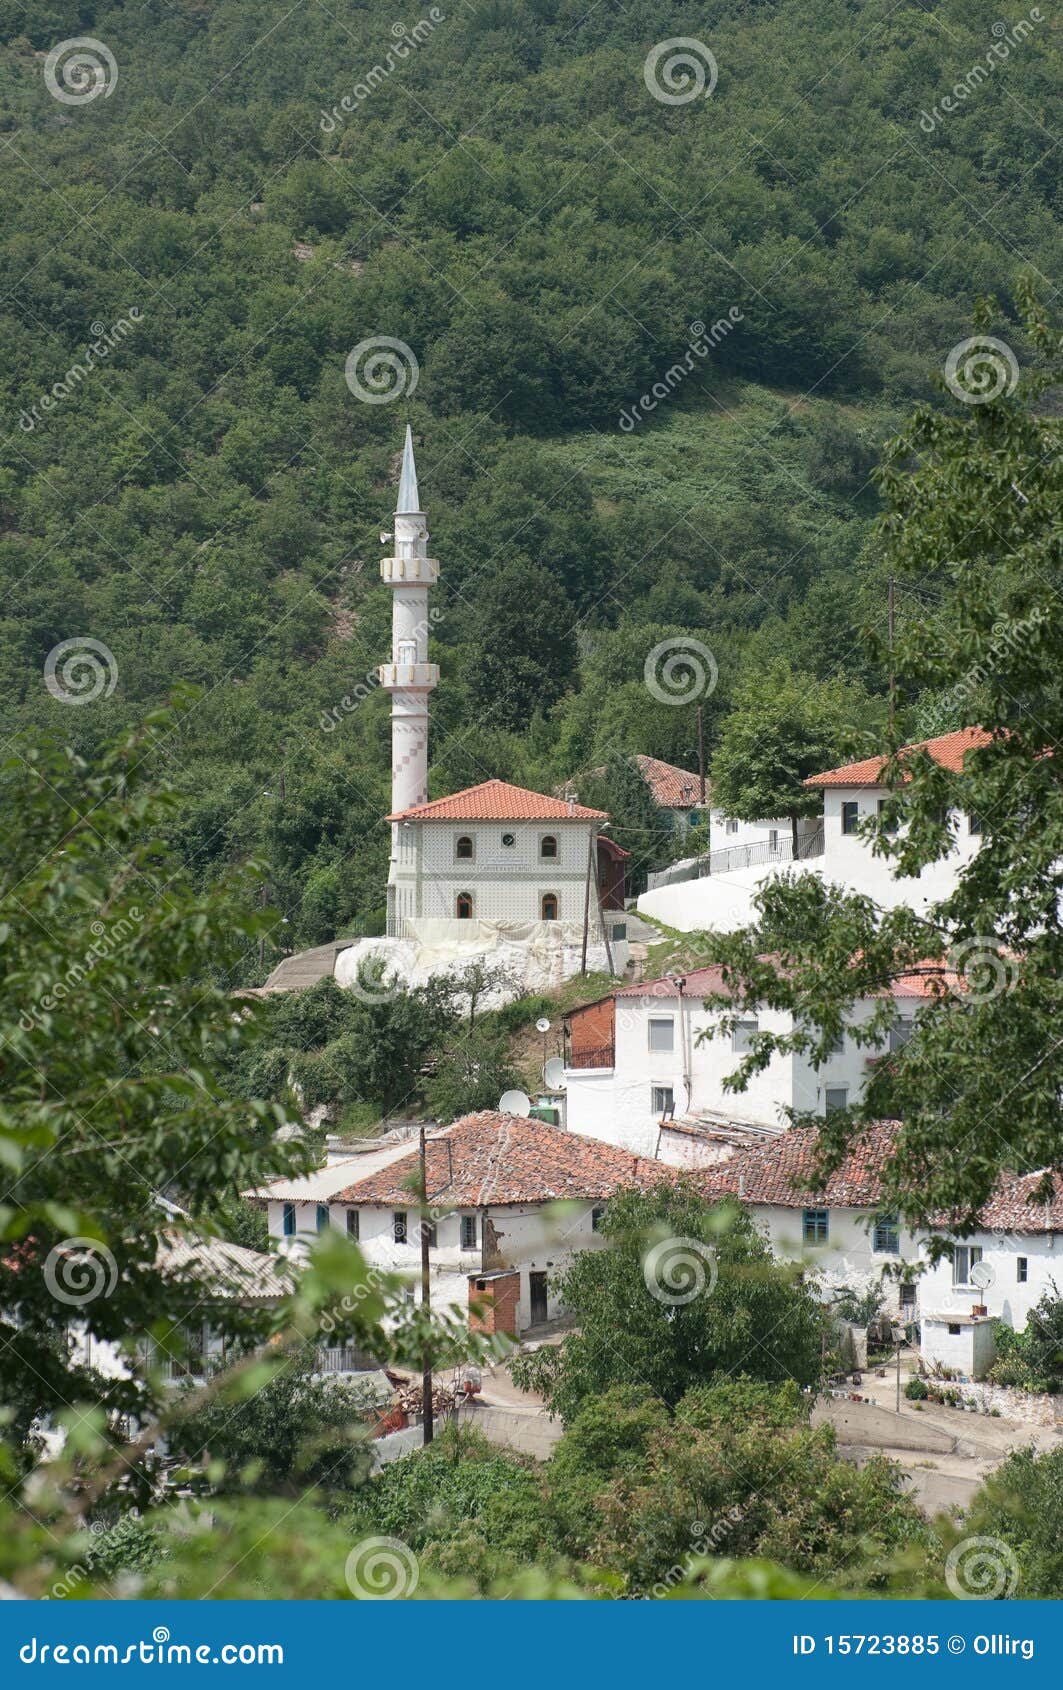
(949, 750)
(497, 800)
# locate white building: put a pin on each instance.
(495, 1230)
(717, 891)
(652, 1054)
(840, 1231)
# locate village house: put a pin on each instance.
(510, 1202)
(840, 1231)
(715, 893)
(680, 795)
(645, 1067)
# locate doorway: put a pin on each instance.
(537, 1291)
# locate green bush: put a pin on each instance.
(916, 1390)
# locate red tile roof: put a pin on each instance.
(1013, 1208)
(948, 749)
(672, 788)
(497, 800)
(782, 1172)
(490, 1158)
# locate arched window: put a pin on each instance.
(549, 906)
(463, 847)
(464, 906)
(548, 845)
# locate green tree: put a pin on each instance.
(521, 649)
(976, 493)
(784, 727)
(687, 1290)
(115, 1011)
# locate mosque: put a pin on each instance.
(496, 870)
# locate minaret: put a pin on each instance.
(409, 677)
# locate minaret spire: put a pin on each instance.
(409, 503)
(409, 677)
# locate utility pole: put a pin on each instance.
(701, 754)
(587, 902)
(891, 624)
(427, 1414)
(898, 1375)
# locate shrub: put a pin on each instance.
(917, 1390)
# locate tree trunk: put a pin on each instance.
(793, 831)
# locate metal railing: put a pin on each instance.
(732, 857)
(599, 1056)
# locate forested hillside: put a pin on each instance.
(509, 200)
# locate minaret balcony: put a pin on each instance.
(409, 571)
(409, 677)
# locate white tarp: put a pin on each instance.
(534, 956)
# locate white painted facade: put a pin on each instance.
(506, 870)
(1010, 1276)
(964, 1344)
(670, 1056)
(524, 1237)
(852, 1254)
(722, 901)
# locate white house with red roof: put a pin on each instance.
(718, 895)
(510, 1201)
(646, 1068)
(839, 1229)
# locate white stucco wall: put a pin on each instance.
(999, 1287)
(530, 1237)
(617, 1104)
(848, 1258)
(847, 858)
(506, 882)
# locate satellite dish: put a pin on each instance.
(514, 1103)
(542, 1025)
(554, 1074)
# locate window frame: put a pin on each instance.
(469, 1233)
(850, 814)
(553, 898)
(653, 1021)
(886, 1227)
(354, 1225)
(745, 1025)
(546, 856)
(596, 1217)
(322, 1218)
(288, 1221)
(400, 1226)
(464, 914)
(830, 1108)
(665, 1109)
(1022, 1270)
(973, 1254)
(468, 856)
(815, 1226)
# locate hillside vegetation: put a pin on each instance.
(512, 203)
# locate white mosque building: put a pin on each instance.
(531, 881)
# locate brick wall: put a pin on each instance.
(500, 1296)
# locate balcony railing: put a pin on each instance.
(734, 857)
(599, 1056)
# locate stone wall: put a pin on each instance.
(1029, 1407)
